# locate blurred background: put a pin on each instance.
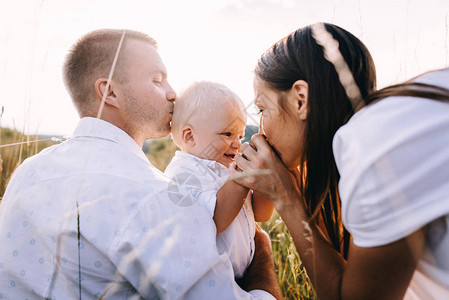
(217, 40)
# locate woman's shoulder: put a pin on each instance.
(394, 108)
(392, 157)
(438, 77)
(394, 124)
(404, 116)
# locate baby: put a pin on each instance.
(208, 125)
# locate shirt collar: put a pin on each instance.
(214, 166)
(93, 127)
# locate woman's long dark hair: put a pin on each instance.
(298, 56)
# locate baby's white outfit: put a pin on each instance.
(202, 178)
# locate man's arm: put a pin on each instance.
(261, 275)
(170, 251)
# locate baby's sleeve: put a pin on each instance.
(187, 187)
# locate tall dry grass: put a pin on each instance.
(20, 147)
(292, 276)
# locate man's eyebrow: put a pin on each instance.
(159, 70)
(163, 73)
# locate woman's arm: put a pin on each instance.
(230, 199)
(370, 273)
(262, 207)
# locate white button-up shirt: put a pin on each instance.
(93, 217)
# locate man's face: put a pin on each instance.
(146, 96)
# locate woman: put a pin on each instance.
(382, 176)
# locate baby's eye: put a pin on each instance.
(228, 134)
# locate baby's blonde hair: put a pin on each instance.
(200, 98)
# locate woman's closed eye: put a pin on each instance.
(258, 110)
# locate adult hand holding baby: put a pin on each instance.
(279, 184)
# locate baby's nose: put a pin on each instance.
(236, 143)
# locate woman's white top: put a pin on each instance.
(393, 158)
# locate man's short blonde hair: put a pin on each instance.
(200, 98)
(91, 58)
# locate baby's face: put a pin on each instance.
(218, 134)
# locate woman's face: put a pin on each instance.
(282, 126)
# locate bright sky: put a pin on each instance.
(199, 40)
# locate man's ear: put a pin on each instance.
(300, 90)
(187, 135)
(100, 89)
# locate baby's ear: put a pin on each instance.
(187, 136)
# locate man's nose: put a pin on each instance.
(171, 94)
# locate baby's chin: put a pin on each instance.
(225, 163)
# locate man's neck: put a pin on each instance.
(118, 122)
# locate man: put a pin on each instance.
(92, 218)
